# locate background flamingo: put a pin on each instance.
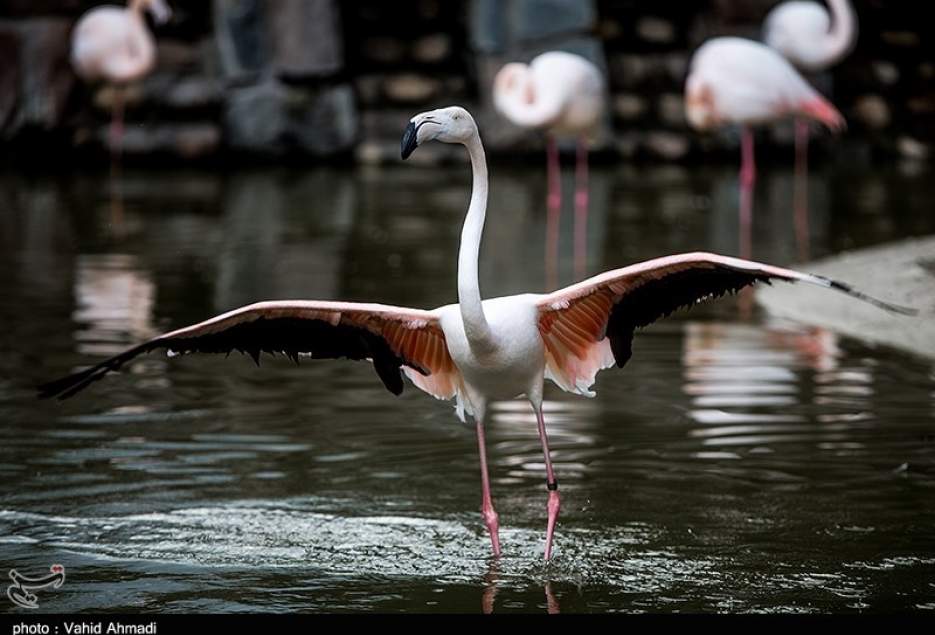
(112, 44)
(737, 81)
(564, 95)
(475, 351)
(806, 35)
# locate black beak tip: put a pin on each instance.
(408, 143)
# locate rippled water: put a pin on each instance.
(736, 464)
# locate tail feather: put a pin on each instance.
(820, 109)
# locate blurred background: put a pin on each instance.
(324, 78)
(777, 459)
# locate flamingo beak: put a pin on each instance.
(409, 142)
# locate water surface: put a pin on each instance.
(736, 464)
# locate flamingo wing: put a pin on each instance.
(589, 326)
(391, 337)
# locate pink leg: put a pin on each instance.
(487, 510)
(800, 195)
(116, 125)
(551, 484)
(554, 206)
(551, 603)
(747, 179)
(581, 209)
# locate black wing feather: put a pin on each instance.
(658, 298)
(289, 335)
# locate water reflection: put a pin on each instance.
(114, 303)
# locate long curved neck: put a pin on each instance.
(843, 30)
(476, 327)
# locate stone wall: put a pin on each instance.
(323, 78)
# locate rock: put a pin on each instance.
(885, 72)
(627, 144)
(872, 111)
(369, 89)
(912, 148)
(629, 106)
(324, 122)
(305, 38)
(45, 79)
(655, 30)
(628, 70)
(410, 88)
(384, 50)
(498, 26)
(902, 272)
(176, 56)
(671, 110)
(906, 39)
(9, 77)
(922, 105)
(272, 118)
(676, 64)
(192, 93)
(667, 145)
(432, 49)
(239, 31)
(186, 140)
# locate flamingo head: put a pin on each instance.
(159, 10)
(448, 125)
(700, 109)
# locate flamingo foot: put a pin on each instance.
(555, 503)
(493, 526)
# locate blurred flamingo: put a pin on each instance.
(112, 44)
(476, 351)
(564, 95)
(806, 35)
(733, 80)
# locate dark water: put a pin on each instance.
(736, 464)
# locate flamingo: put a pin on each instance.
(813, 41)
(563, 94)
(113, 44)
(733, 80)
(475, 351)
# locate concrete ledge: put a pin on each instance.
(903, 273)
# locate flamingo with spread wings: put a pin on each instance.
(476, 351)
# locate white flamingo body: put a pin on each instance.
(735, 80)
(559, 92)
(808, 36)
(112, 44)
(474, 351)
(512, 367)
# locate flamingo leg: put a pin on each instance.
(747, 180)
(489, 513)
(581, 209)
(554, 206)
(116, 125)
(554, 504)
(800, 189)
